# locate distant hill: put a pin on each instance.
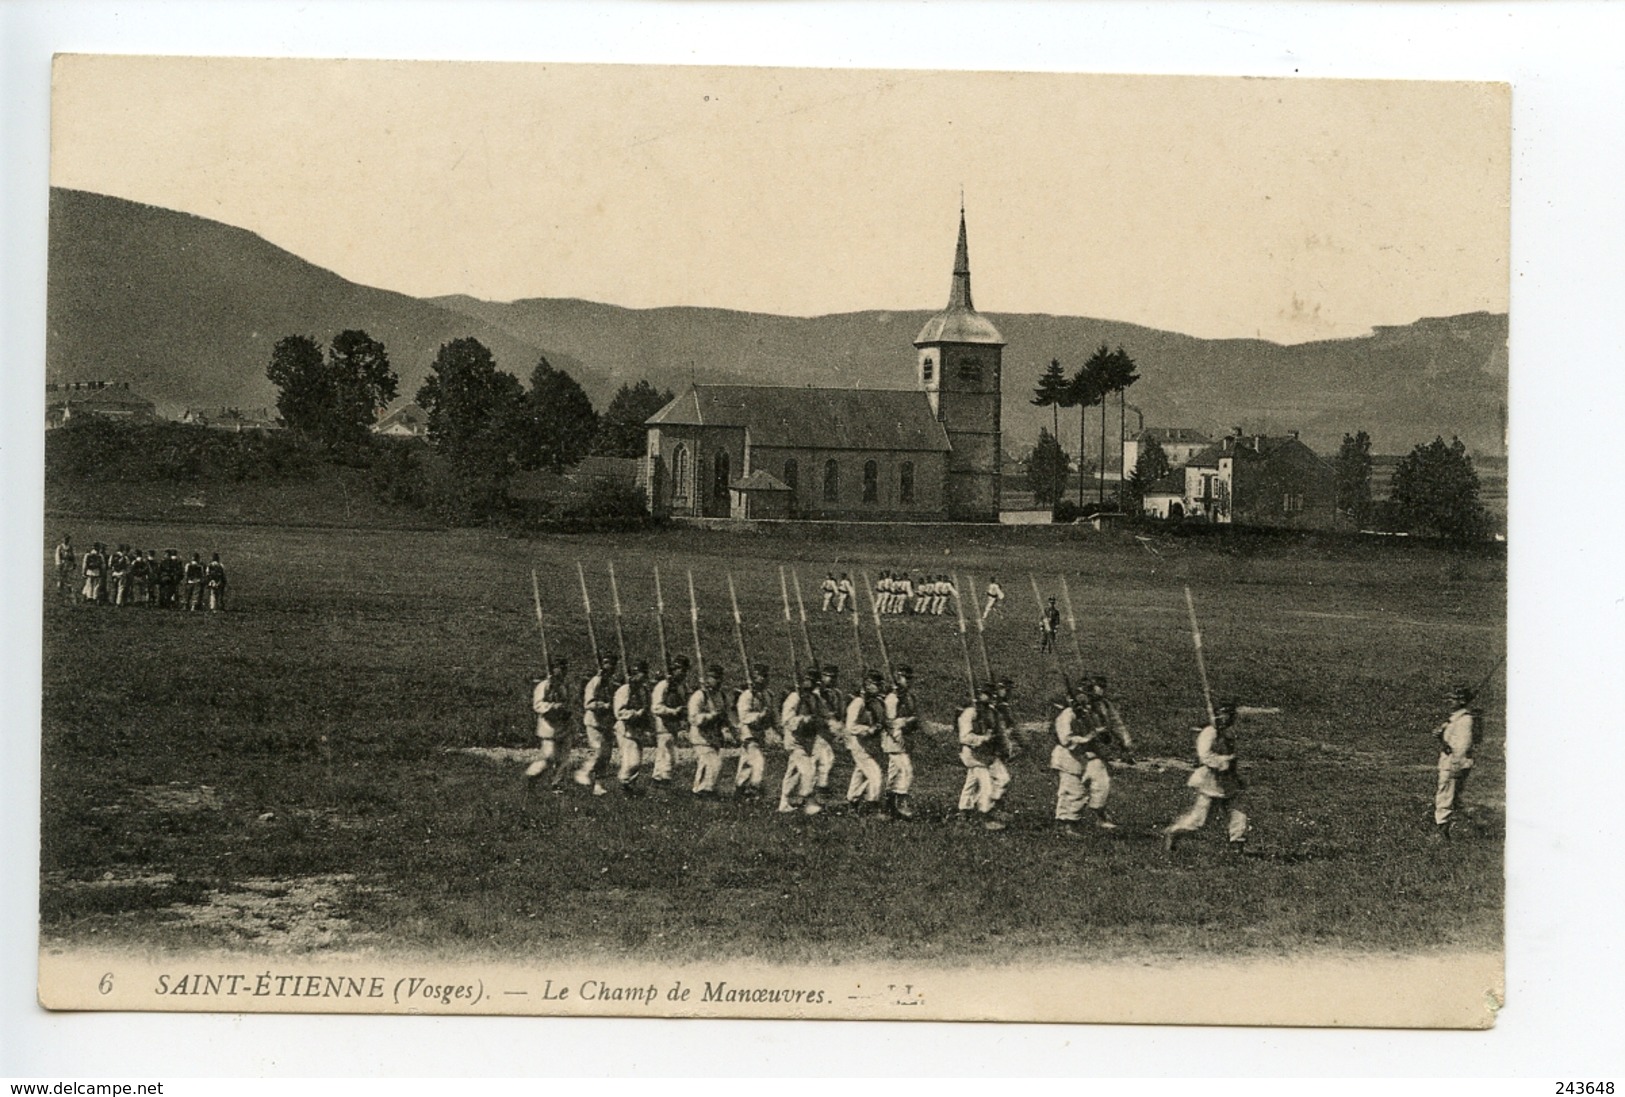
(187, 310)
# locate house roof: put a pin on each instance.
(760, 480)
(812, 418)
(1172, 484)
(110, 394)
(1253, 447)
(1181, 435)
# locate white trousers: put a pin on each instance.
(707, 768)
(823, 758)
(1451, 783)
(899, 773)
(1196, 817)
(631, 758)
(866, 781)
(665, 756)
(751, 765)
(978, 790)
(798, 780)
(999, 774)
(595, 766)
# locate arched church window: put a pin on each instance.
(792, 475)
(679, 471)
(871, 482)
(832, 482)
(905, 482)
(720, 482)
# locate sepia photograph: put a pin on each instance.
(689, 541)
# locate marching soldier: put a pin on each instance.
(846, 594)
(118, 574)
(549, 701)
(756, 712)
(1455, 738)
(215, 583)
(902, 718)
(995, 595)
(1103, 711)
(597, 718)
(94, 569)
(1215, 781)
(634, 726)
(865, 717)
(830, 589)
(169, 579)
(1049, 625)
(192, 581)
(801, 717)
(67, 564)
(1005, 745)
(976, 737)
(707, 731)
(1078, 762)
(669, 703)
(832, 728)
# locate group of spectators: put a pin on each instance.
(124, 576)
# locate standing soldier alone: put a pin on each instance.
(1455, 738)
(66, 565)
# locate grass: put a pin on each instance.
(332, 710)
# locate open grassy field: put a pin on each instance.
(335, 763)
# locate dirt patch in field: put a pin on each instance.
(299, 914)
(174, 798)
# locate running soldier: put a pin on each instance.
(1078, 760)
(140, 579)
(830, 589)
(1455, 738)
(1049, 625)
(169, 579)
(634, 726)
(549, 701)
(902, 718)
(800, 718)
(756, 712)
(708, 729)
(1103, 712)
(669, 703)
(94, 569)
(67, 565)
(215, 583)
(1215, 780)
(597, 718)
(865, 717)
(192, 581)
(995, 595)
(846, 594)
(118, 574)
(976, 736)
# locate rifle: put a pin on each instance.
(789, 630)
(964, 644)
(592, 636)
(1071, 623)
(1201, 663)
(660, 623)
(801, 608)
(536, 596)
(694, 620)
(620, 636)
(857, 641)
(874, 610)
(981, 634)
(739, 630)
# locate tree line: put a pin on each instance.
(1105, 372)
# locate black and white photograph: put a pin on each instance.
(690, 541)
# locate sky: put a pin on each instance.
(1287, 209)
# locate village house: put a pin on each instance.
(1179, 445)
(406, 420)
(100, 399)
(1252, 480)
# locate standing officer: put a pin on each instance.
(976, 737)
(549, 701)
(865, 717)
(757, 712)
(1455, 738)
(634, 726)
(1215, 781)
(801, 717)
(902, 718)
(707, 730)
(597, 718)
(1049, 624)
(669, 703)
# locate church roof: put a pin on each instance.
(960, 322)
(812, 418)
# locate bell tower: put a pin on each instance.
(958, 361)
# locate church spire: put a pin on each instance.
(959, 296)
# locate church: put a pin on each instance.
(930, 453)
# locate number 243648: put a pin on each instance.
(1581, 1089)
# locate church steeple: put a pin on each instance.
(959, 294)
(960, 322)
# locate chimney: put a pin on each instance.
(1294, 434)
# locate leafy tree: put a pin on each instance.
(475, 410)
(557, 422)
(363, 383)
(337, 399)
(1047, 469)
(304, 394)
(1353, 477)
(1052, 392)
(1088, 389)
(1435, 491)
(621, 432)
(1150, 466)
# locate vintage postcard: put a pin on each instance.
(728, 542)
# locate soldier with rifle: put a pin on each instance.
(976, 737)
(865, 717)
(1006, 743)
(1215, 780)
(800, 718)
(897, 740)
(1455, 738)
(597, 720)
(550, 701)
(1079, 761)
(634, 726)
(832, 729)
(708, 729)
(757, 715)
(668, 701)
